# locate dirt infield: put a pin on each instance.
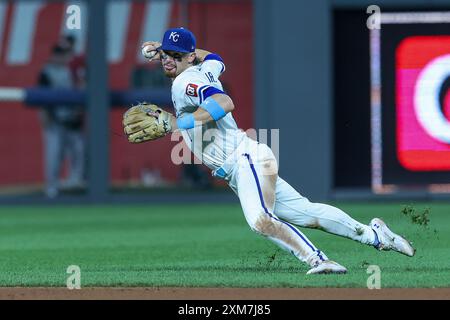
(222, 294)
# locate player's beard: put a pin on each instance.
(170, 70)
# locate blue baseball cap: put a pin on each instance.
(179, 40)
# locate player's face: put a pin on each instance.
(174, 63)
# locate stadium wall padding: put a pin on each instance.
(21, 140)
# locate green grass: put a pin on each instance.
(204, 245)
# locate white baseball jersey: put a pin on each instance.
(213, 142)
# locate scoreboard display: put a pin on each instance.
(410, 101)
(392, 101)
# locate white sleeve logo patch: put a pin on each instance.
(191, 90)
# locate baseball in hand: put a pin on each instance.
(148, 53)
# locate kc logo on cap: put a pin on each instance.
(174, 36)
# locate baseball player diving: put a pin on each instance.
(271, 206)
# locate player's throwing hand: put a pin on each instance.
(149, 50)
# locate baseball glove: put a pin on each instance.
(145, 122)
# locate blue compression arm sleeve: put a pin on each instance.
(213, 108)
(186, 122)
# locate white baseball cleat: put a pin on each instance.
(328, 267)
(388, 240)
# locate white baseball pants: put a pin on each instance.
(272, 207)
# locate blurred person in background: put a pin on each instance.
(62, 125)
